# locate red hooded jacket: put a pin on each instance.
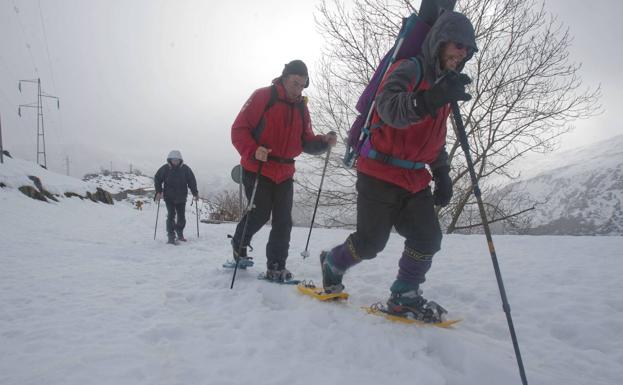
(400, 132)
(282, 128)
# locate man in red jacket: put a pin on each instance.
(274, 127)
(408, 134)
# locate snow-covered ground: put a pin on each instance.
(121, 181)
(88, 297)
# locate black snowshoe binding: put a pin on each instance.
(278, 275)
(412, 305)
(240, 256)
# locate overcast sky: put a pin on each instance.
(137, 78)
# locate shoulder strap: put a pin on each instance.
(419, 74)
(301, 106)
(259, 127)
(273, 97)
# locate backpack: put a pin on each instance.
(407, 45)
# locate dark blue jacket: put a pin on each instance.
(177, 180)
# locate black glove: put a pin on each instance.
(443, 186)
(449, 88)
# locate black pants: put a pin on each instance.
(381, 205)
(173, 210)
(270, 197)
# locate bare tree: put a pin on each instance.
(526, 91)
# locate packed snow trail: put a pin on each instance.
(88, 297)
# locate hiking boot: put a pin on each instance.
(331, 275)
(406, 301)
(278, 275)
(171, 239)
(180, 237)
(243, 260)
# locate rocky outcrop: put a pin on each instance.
(40, 193)
(32, 192)
(100, 195)
(43, 191)
(124, 194)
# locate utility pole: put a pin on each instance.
(39, 106)
(111, 167)
(130, 168)
(1, 148)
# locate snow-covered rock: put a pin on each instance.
(39, 183)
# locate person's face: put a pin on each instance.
(175, 162)
(294, 85)
(452, 54)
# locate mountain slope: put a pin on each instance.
(578, 192)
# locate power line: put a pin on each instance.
(12, 75)
(21, 26)
(47, 49)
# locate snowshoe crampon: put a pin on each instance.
(308, 288)
(243, 264)
(407, 317)
(263, 277)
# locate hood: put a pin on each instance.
(450, 26)
(175, 154)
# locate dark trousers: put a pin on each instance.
(270, 197)
(381, 206)
(173, 210)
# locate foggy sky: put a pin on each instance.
(138, 78)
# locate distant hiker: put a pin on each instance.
(177, 178)
(408, 132)
(274, 127)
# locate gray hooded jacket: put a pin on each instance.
(394, 103)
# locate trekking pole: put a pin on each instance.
(246, 221)
(197, 212)
(305, 253)
(240, 192)
(196, 202)
(1, 148)
(157, 215)
(460, 128)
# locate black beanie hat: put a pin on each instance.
(296, 67)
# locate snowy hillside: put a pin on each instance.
(14, 174)
(33, 180)
(580, 192)
(88, 297)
